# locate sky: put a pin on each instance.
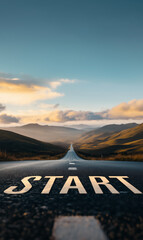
(71, 61)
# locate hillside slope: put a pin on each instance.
(127, 143)
(96, 136)
(18, 146)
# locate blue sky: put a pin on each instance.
(97, 43)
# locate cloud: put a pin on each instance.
(2, 107)
(8, 77)
(55, 84)
(66, 80)
(21, 91)
(15, 79)
(6, 119)
(44, 106)
(130, 110)
(70, 115)
(56, 105)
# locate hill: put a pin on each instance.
(124, 145)
(98, 135)
(14, 146)
(47, 133)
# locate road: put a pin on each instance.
(31, 215)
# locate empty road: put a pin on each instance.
(77, 187)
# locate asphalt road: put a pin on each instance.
(31, 215)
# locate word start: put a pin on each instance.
(73, 182)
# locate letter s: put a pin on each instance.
(26, 188)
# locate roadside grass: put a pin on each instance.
(4, 156)
(115, 157)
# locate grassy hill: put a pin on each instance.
(96, 136)
(47, 133)
(14, 146)
(124, 145)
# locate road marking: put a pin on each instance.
(77, 227)
(72, 163)
(72, 168)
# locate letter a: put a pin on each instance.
(78, 185)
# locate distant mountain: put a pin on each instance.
(18, 146)
(98, 135)
(126, 144)
(83, 127)
(47, 133)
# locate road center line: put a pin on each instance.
(77, 227)
(72, 163)
(72, 168)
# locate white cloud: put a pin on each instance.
(21, 94)
(130, 110)
(15, 79)
(17, 93)
(55, 84)
(14, 90)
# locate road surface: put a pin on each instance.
(31, 215)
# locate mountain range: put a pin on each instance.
(47, 133)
